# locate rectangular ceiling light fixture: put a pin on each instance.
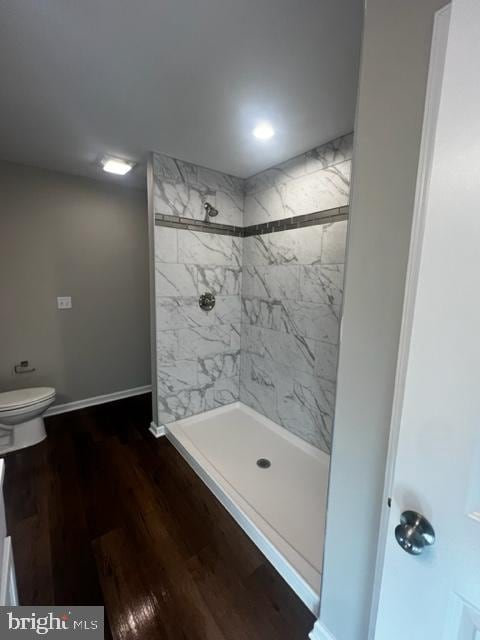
(117, 166)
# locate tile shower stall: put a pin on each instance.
(256, 373)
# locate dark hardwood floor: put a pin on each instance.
(102, 513)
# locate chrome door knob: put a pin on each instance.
(414, 533)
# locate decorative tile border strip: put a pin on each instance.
(308, 220)
(177, 222)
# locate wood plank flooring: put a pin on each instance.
(102, 513)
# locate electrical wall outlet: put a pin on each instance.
(64, 302)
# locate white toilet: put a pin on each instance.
(21, 421)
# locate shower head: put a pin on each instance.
(210, 210)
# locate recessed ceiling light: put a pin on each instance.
(117, 166)
(264, 131)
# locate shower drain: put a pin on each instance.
(263, 463)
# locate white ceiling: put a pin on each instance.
(189, 78)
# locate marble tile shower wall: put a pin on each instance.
(181, 189)
(198, 352)
(272, 338)
(313, 181)
(292, 292)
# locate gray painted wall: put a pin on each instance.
(64, 235)
(393, 78)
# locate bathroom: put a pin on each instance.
(211, 217)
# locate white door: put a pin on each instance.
(436, 418)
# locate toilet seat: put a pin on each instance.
(23, 398)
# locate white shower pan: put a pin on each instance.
(282, 507)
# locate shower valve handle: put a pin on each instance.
(206, 301)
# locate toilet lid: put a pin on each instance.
(24, 397)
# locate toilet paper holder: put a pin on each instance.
(23, 367)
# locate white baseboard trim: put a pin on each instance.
(90, 402)
(158, 431)
(320, 632)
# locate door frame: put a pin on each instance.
(429, 127)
